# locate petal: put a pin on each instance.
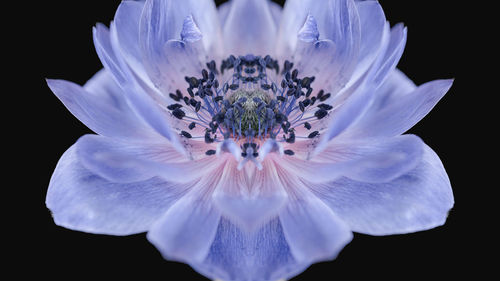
(249, 28)
(333, 58)
(119, 161)
(313, 232)
(393, 54)
(81, 200)
(249, 198)
(138, 99)
(368, 160)
(417, 201)
(237, 255)
(101, 106)
(395, 87)
(372, 25)
(402, 113)
(186, 232)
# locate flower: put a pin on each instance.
(249, 141)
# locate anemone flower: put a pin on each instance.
(249, 141)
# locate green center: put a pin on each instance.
(250, 113)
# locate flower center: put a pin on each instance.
(249, 107)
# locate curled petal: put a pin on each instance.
(81, 200)
(418, 200)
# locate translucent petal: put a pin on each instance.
(368, 160)
(101, 106)
(249, 198)
(249, 28)
(81, 200)
(417, 201)
(121, 161)
(237, 255)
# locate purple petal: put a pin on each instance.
(393, 54)
(395, 87)
(119, 161)
(403, 113)
(186, 232)
(249, 198)
(313, 231)
(417, 201)
(237, 255)
(81, 200)
(249, 28)
(101, 106)
(368, 160)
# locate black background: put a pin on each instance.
(58, 44)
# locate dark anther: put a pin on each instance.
(291, 138)
(320, 94)
(201, 93)
(174, 106)
(218, 98)
(274, 88)
(295, 72)
(243, 154)
(306, 82)
(257, 100)
(309, 91)
(211, 76)
(325, 97)
(290, 92)
(234, 86)
(210, 152)
(213, 126)
(197, 106)
(283, 83)
(212, 66)
(265, 86)
(186, 134)
(301, 106)
(280, 98)
(306, 102)
(289, 152)
(192, 125)
(216, 84)
(208, 139)
(285, 125)
(307, 125)
(178, 113)
(186, 100)
(313, 134)
(192, 102)
(192, 81)
(320, 113)
(249, 70)
(174, 97)
(204, 73)
(178, 93)
(190, 92)
(280, 118)
(287, 66)
(325, 106)
(255, 154)
(313, 100)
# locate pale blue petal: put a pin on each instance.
(186, 232)
(393, 54)
(333, 63)
(81, 200)
(249, 28)
(313, 231)
(122, 161)
(140, 102)
(372, 25)
(236, 255)
(249, 198)
(395, 87)
(367, 160)
(417, 201)
(403, 113)
(101, 106)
